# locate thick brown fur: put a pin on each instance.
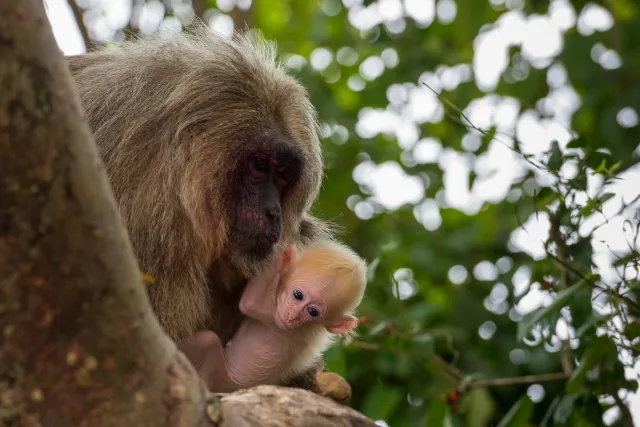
(169, 115)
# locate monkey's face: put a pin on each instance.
(302, 300)
(266, 174)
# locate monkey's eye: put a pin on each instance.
(313, 312)
(260, 164)
(297, 294)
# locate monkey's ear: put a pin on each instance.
(346, 324)
(286, 258)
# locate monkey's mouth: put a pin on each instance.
(281, 323)
(256, 246)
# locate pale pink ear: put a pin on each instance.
(286, 258)
(347, 323)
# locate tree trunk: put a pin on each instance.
(79, 344)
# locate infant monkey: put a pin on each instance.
(291, 314)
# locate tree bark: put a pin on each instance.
(79, 344)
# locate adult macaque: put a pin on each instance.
(292, 312)
(213, 156)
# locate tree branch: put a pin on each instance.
(264, 405)
(460, 377)
(527, 379)
(242, 19)
(78, 14)
(199, 8)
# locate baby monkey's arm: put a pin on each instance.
(206, 353)
(258, 300)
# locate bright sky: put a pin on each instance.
(411, 104)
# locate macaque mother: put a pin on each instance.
(212, 154)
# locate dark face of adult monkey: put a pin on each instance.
(269, 169)
(212, 153)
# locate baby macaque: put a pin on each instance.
(292, 314)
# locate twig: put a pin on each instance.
(459, 376)
(78, 14)
(451, 370)
(199, 8)
(628, 301)
(242, 19)
(527, 379)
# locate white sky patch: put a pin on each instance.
(389, 184)
(64, 26)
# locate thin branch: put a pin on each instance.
(628, 301)
(242, 19)
(199, 8)
(459, 376)
(78, 14)
(527, 379)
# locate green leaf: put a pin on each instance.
(424, 345)
(335, 360)
(591, 410)
(549, 414)
(564, 409)
(631, 385)
(587, 327)
(479, 407)
(598, 349)
(544, 196)
(577, 143)
(381, 402)
(597, 160)
(438, 411)
(580, 181)
(555, 159)
(606, 196)
(544, 313)
(519, 414)
(632, 330)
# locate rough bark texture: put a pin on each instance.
(283, 407)
(79, 344)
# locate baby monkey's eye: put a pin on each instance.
(297, 294)
(313, 311)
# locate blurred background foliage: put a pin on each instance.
(481, 154)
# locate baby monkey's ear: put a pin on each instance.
(344, 325)
(286, 258)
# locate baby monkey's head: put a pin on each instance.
(321, 285)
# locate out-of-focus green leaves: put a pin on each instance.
(423, 330)
(550, 313)
(564, 409)
(519, 414)
(381, 402)
(438, 414)
(598, 350)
